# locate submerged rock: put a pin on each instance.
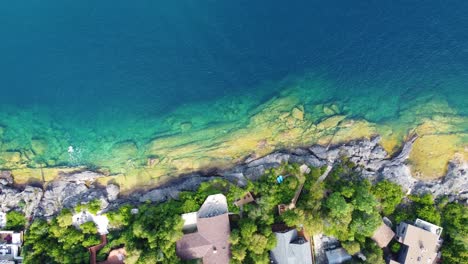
(39, 146)
(11, 158)
(124, 149)
(298, 112)
(185, 126)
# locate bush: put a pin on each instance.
(395, 247)
(94, 206)
(352, 247)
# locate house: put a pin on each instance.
(291, 247)
(383, 235)
(247, 198)
(421, 242)
(337, 256)
(10, 247)
(209, 232)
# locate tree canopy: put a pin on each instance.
(15, 221)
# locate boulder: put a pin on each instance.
(81, 177)
(254, 173)
(26, 200)
(61, 194)
(112, 191)
(157, 195)
(188, 183)
(319, 151)
(399, 174)
(309, 160)
(6, 178)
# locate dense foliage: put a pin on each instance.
(58, 241)
(455, 224)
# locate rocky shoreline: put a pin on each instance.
(70, 189)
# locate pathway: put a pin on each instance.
(325, 174)
(94, 249)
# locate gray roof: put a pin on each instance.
(289, 250)
(337, 256)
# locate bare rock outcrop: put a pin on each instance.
(189, 183)
(454, 184)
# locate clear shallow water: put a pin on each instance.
(91, 74)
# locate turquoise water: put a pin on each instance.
(92, 73)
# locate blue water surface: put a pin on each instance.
(93, 54)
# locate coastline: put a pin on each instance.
(374, 164)
(282, 123)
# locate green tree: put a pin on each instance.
(121, 217)
(395, 247)
(337, 206)
(364, 200)
(363, 224)
(94, 206)
(65, 218)
(455, 224)
(373, 253)
(15, 221)
(424, 207)
(389, 194)
(352, 247)
(88, 228)
(294, 217)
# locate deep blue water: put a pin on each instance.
(153, 56)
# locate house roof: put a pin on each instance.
(192, 246)
(214, 205)
(383, 235)
(190, 221)
(211, 242)
(421, 244)
(290, 250)
(337, 256)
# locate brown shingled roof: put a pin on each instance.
(211, 242)
(192, 246)
(383, 235)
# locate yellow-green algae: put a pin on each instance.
(304, 113)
